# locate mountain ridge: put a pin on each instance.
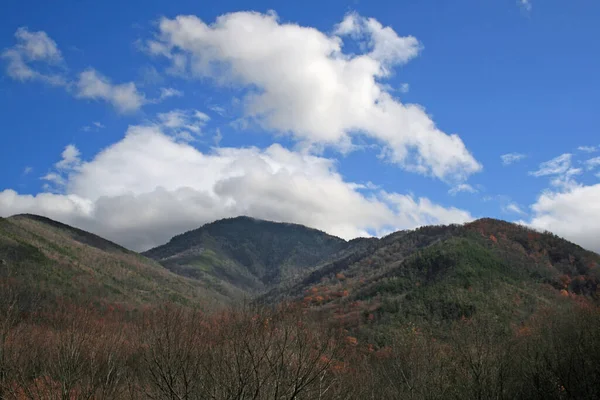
(244, 257)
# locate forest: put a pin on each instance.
(288, 352)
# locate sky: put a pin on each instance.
(140, 120)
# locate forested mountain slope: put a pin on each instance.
(438, 274)
(251, 254)
(51, 261)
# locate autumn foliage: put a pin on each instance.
(285, 352)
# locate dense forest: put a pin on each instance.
(285, 352)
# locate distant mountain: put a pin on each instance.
(439, 274)
(250, 254)
(52, 261)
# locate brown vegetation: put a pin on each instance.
(285, 352)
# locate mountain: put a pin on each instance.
(438, 274)
(52, 261)
(483, 310)
(250, 254)
(432, 275)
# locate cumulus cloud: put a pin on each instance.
(300, 82)
(573, 214)
(384, 44)
(125, 97)
(511, 158)
(148, 187)
(34, 48)
(572, 209)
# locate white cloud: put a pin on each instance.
(124, 97)
(592, 163)
(561, 171)
(405, 88)
(513, 208)
(34, 48)
(166, 93)
(302, 83)
(184, 124)
(217, 109)
(573, 209)
(70, 158)
(411, 213)
(573, 214)
(27, 170)
(148, 187)
(511, 158)
(463, 187)
(385, 45)
(69, 162)
(39, 48)
(53, 177)
(557, 166)
(588, 149)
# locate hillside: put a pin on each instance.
(435, 275)
(250, 254)
(51, 261)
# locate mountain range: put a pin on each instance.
(433, 273)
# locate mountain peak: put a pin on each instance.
(248, 251)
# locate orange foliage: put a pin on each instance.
(523, 331)
(340, 276)
(351, 340)
(565, 280)
(493, 239)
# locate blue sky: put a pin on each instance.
(357, 118)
